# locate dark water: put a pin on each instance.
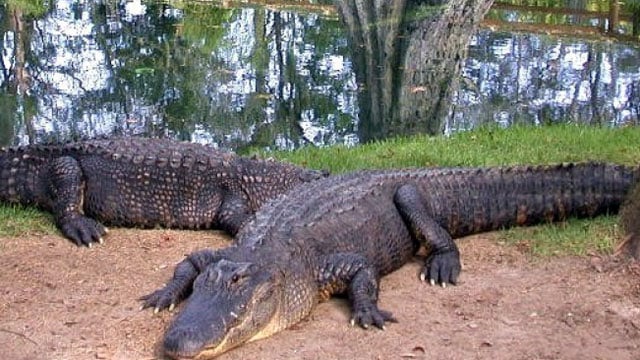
(262, 77)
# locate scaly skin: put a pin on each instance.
(143, 183)
(341, 234)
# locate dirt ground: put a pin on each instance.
(62, 302)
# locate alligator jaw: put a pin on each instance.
(195, 350)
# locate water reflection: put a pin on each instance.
(407, 58)
(534, 79)
(259, 77)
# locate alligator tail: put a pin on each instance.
(630, 222)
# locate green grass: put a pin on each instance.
(482, 147)
(18, 220)
(573, 237)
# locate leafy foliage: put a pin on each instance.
(30, 8)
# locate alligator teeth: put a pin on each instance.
(233, 315)
(423, 277)
(90, 245)
(156, 310)
(444, 284)
(101, 240)
(353, 322)
(172, 306)
(432, 282)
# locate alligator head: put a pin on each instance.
(232, 303)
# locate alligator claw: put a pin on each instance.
(372, 316)
(442, 268)
(164, 298)
(81, 229)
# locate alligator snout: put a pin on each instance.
(187, 342)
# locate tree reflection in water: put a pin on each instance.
(281, 77)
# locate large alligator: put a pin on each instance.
(141, 182)
(341, 234)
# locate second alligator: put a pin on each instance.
(142, 182)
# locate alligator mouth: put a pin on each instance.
(188, 342)
(188, 349)
(205, 353)
(180, 356)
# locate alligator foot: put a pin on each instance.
(165, 298)
(371, 315)
(363, 292)
(443, 264)
(442, 268)
(82, 230)
(180, 286)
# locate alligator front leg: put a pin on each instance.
(351, 272)
(181, 284)
(443, 262)
(66, 193)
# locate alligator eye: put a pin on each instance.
(235, 278)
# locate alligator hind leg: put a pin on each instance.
(66, 192)
(443, 262)
(351, 272)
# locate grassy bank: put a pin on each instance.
(482, 147)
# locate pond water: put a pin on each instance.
(240, 76)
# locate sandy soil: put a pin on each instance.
(62, 302)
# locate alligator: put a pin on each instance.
(141, 182)
(339, 235)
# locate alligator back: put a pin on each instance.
(126, 181)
